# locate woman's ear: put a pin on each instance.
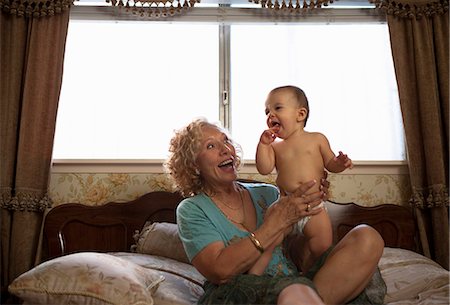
(302, 112)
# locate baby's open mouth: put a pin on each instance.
(275, 126)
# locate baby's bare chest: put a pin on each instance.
(303, 152)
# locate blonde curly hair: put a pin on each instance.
(183, 150)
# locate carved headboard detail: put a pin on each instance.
(75, 227)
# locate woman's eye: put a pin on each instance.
(209, 146)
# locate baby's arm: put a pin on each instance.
(265, 155)
(261, 264)
(333, 163)
(340, 163)
(263, 261)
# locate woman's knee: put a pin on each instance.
(298, 294)
(366, 239)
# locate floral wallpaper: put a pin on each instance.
(100, 188)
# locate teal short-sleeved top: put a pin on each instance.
(201, 222)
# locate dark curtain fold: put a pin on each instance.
(34, 8)
(419, 34)
(31, 64)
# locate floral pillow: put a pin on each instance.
(162, 239)
(87, 278)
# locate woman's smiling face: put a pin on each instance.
(216, 159)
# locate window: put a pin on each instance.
(124, 94)
(346, 72)
(128, 85)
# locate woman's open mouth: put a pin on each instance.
(227, 164)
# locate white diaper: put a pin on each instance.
(302, 222)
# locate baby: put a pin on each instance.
(299, 157)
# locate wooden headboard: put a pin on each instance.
(74, 227)
(395, 223)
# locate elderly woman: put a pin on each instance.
(233, 232)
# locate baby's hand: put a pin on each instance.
(268, 136)
(344, 160)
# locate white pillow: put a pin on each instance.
(87, 278)
(162, 239)
(411, 277)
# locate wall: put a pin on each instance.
(366, 184)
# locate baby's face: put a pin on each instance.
(281, 110)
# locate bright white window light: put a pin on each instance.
(346, 72)
(127, 86)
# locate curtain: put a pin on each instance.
(32, 43)
(419, 34)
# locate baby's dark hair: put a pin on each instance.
(300, 96)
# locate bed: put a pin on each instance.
(130, 253)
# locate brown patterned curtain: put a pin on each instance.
(419, 33)
(32, 40)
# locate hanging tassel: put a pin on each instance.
(154, 9)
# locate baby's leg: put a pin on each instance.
(319, 237)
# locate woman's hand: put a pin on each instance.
(303, 205)
(278, 222)
(288, 210)
(324, 185)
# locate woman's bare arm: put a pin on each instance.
(219, 263)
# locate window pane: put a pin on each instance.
(128, 85)
(346, 72)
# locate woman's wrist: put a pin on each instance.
(256, 242)
(268, 235)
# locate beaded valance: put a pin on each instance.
(163, 8)
(34, 8)
(297, 6)
(154, 8)
(402, 8)
(412, 8)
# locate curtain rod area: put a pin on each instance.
(235, 15)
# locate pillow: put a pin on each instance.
(410, 277)
(162, 239)
(183, 284)
(87, 278)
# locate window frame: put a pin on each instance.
(224, 15)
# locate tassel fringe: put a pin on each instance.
(35, 8)
(293, 6)
(412, 9)
(433, 196)
(24, 201)
(154, 9)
